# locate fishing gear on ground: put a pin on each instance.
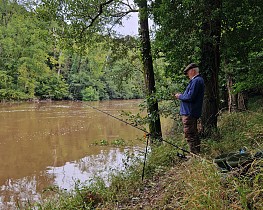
(233, 160)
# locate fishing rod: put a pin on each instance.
(147, 134)
(141, 129)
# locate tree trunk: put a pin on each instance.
(210, 63)
(152, 104)
(236, 102)
(232, 98)
(242, 101)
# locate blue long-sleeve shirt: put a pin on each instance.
(192, 98)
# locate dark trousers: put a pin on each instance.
(191, 133)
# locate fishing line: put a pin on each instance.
(141, 129)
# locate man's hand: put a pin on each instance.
(177, 95)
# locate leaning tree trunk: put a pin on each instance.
(152, 104)
(210, 63)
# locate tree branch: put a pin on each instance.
(100, 11)
(122, 14)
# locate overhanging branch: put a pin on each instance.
(119, 15)
(100, 11)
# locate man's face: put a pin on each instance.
(191, 73)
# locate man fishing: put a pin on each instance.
(191, 106)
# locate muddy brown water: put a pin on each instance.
(54, 144)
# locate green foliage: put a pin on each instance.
(116, 142)
(82, 197)
(51, 86)
(10, 94)
(126, 78)
(242, 43)
(90, 94)
(39, 58)
(102, 142)
(254, 102)
(24, 50)
(119, 142)
(5, 79)
(249, 78)
(178, 38)
(111, 78)
(160, 158)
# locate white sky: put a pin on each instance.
(130, 26)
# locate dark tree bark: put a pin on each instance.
(152, 104)
(210, 63)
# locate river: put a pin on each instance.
(45, 144)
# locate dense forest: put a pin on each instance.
(37, 63)
(69, 50)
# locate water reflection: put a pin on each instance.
(30, 189)
(92, 167)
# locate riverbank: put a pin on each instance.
(174, 183)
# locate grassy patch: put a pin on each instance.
(119, 142)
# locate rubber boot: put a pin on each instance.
(194, 147)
